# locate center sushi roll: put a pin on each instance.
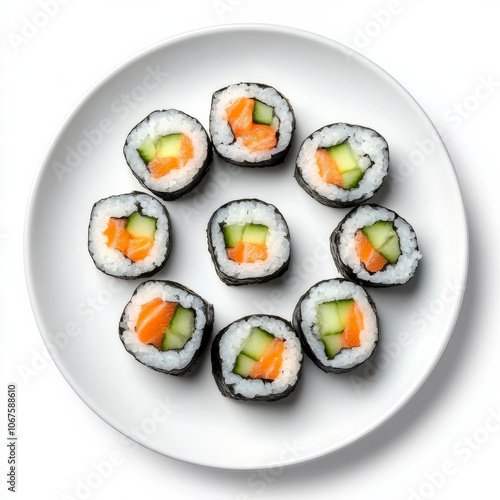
(169, 152)
(251, 125)
(129, 235)
(249, 242)
(338, 325)
(257, 358)
(341, 165)
(374, 246)
(166, 326)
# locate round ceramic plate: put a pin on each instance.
(78, 308)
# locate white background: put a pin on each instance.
(442, 53)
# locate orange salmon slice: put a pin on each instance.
(372, 260)
(159, 167)
(138, 248)
(117, 235)
(328, 169)
(260, 138)
(153, 321)
(269, 366)
(240, 116)
(247, 252)
(354, 325)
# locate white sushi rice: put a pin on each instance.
(371, 152)
(251, 212)
(149, 354)
(392, 273)
(220, 130)
(159, 124)
(111, 260)
(232, 343)
(330, 291)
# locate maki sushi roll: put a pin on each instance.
(166, 326)
(169, 152)
(341, 165)
(257, 358)
(249, 242)
(251, 125)
(375, 247)
(338, 325)
(129, 235)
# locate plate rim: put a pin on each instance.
(272, 29)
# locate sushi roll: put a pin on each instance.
(341, 165)
(169, 152)
(251, 125)
(129, 235)
(166, 326)
(249, 242)
(338, 325)
(257, 358)
(374, 246)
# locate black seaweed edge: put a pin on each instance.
(229, 280)
(226, 390)
(174, 195)
(297, 324)
(344, 269)
(337, 203)
(277, 158)
(207, 331)
(169, 239)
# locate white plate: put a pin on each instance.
(77, 307)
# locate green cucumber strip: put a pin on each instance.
(378, 233)
(257, 343)
(243, 365)
(171, 341)
(169, 145)
(351, 178)
(384, 239)
(333, 344)
(344, 157)
(140, 226)
(233, 234)
(391, 249)
(328, 319)
(147, 151)
(344, 307)
(332, 316)
(255, 233)
(182, 323)
(262, 113)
